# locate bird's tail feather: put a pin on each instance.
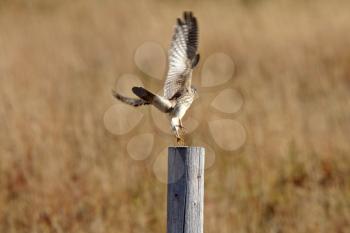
(159, 102)
(130, 101)
(144, 94)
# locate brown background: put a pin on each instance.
(62, 171)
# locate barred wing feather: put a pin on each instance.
(182, 54)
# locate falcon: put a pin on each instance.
(178, 90)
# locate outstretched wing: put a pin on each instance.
(182, 55)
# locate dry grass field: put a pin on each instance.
(62, 171)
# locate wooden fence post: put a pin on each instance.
(185, 189)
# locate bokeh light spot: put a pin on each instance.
(120, 119)
(227, 133)
(151, 59)
(217, 69)
(228, 101)
(126, 82)
(190, 124)
(140, 146)
(161, 120)
(160, 166)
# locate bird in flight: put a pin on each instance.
(178, 90)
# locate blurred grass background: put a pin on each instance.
(62, 171)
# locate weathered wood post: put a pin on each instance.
(185, 189)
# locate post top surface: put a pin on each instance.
(186, 149)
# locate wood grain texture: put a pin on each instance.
(185, 189)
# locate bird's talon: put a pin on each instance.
(180, 141)
(182, 129)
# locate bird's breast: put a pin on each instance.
(183, 103)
